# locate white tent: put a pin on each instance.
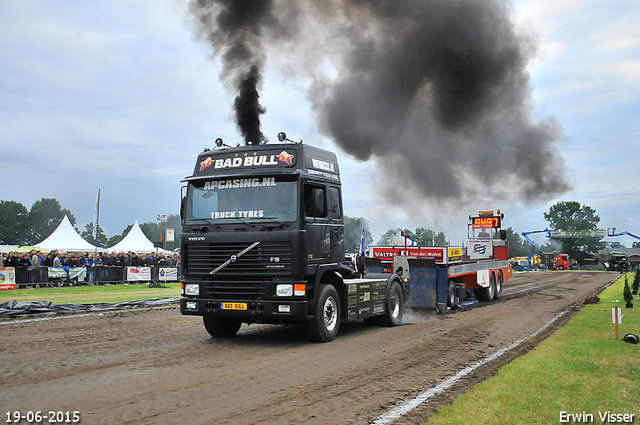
(65, 238)
(135, 241)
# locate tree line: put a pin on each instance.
(564, 215)
(22, 226)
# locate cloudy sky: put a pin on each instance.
(121, 96)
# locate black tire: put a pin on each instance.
(487, 294)
(452, 297)
(394, 307)
(326, 322)
(221, 328)
(499, 284)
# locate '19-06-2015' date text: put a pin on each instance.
(47, 417)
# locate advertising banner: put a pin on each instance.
(135, 274)
(387, 253)
(7, 278)
(168, 274)
(63, 272)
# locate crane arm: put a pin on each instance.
(533, 246)
(611, 231)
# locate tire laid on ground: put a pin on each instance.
(394, 307)
(221, 328)
(452, 297)
(487, 294)
(499, 283)
(326, 322)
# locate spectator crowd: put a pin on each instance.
(57, 258)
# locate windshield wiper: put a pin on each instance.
(281, 224)
(239, 219)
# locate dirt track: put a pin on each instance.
(153, 365)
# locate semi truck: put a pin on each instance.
(263, 242)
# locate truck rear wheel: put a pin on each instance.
(324, 326)
(221, 328)
(487, 294)
(394, 307)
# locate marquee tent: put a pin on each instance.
(65, 238)
(135, 241)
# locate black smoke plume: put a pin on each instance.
(234, 30)
(435, 92)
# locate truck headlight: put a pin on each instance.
(192, 289)
(191, 305)
(284, 290)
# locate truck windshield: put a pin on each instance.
(242, 199)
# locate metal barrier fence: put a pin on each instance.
(112, 274)
(31, 276)
(24, 277)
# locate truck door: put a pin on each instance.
(336, 223)
(316, 222)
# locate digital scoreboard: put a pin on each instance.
(493, 222)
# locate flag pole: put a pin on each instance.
(96, 215)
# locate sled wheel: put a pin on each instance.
(452, 297)
(499, 284)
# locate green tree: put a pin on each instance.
(44, 217)
(385, 239)
(14, 223)
(425, 237)
(571, 216)
(518, 246)
(441, 239)
(151, 230)
(353, 233)
(100, 239)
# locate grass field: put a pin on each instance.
(91, 294)
(580, 369)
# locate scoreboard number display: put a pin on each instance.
(493, 222)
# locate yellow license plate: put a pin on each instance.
(233, 306)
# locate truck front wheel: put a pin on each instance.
(221, 328)
(326, 321)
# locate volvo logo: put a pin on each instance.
(196, 238)
(234, 258)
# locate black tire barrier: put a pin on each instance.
(22, 308)
(631, 338)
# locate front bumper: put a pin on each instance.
(258, 311)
